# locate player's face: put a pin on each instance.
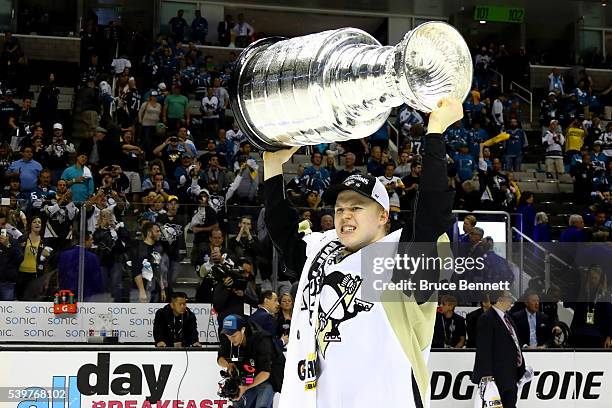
(359, 220)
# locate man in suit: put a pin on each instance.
(265, 315)
(224, 29)
(471, 321)
(534, 328)
(498, 353)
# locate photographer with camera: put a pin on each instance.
(234, 286)
(114, 179)
(175, 325)
(105, 197)
(254, 363)
(170, 154)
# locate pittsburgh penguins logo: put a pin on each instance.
(337, 304)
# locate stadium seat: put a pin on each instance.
(524, 175)
(565, 178)
(530, 185)
(549, 187)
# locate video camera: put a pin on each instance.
(229, 386)
(225, 270)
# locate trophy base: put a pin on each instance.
(254, 137)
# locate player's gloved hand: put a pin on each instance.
(448, 112)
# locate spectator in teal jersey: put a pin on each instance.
(465, 163)
(476, 136)
(515, 146)
(455, 136)
(79, 179)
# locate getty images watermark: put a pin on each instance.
(424, 268)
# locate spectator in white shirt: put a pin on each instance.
(223, 98)
(555, 81)
(392, 184)
(554, 140)
(244, 31)
(498, 112)
(120, 64)
(606, 141)
(235, 137)
(210, 113)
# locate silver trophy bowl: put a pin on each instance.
(341, 84)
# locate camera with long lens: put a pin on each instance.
(225, 270)
(229, 386)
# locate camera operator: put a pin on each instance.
(175, 325)
(250, 344)
(234, 288)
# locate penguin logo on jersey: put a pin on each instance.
(337, 304)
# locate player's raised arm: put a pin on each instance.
(432, 214)
(280, 215)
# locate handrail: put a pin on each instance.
(529, 101)
(397, 146)
(501, 78)
(540, 247)
(114, 86)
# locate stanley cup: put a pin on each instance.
(341, 84)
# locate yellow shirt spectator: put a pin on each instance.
(29, 257)
(575, 138)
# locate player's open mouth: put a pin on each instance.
(348, 228)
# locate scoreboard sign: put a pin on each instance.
(504, 14)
